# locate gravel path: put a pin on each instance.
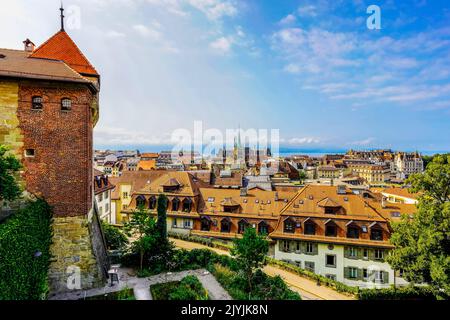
(141, 286)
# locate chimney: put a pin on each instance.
(243, 192)
(276, 196)
(29, 45)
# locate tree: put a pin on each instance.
(162, 216)
(250, 253)
(302, 176)
(115, 238)
(9, 166)
(142, 227)
(422, 241)
(434, 182)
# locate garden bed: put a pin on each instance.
(126, 294)
(189, 288)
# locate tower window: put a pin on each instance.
(36, 103)
(66, 104)
(29, 153)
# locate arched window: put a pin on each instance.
(66, 104)
(289, 226)
(37, 103)
(140, 201)
(187, 205)
(175, 204)
(225, 225)
(152, 203)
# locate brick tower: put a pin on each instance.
(49, 103)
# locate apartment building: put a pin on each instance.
(335, 233)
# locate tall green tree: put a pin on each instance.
(422, 241)
(9, 166)
(162, 216)
(250, 253)
(142, 228)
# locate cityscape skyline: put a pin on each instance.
(310, 68)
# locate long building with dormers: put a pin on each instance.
(329, 230)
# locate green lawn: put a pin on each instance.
(189, 288)
(126, 294)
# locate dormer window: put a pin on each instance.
(330, 229)
(187, 205)
(152, 203)
(37, 103)
(289, 226)
(309, 227)
(66, 104)
(175, 204)
(140, 201)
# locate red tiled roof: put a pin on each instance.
(61, 47)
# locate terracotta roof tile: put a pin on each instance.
(18, 63)
(61, 47)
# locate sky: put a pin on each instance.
(312, 69)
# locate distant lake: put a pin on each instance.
(284, 151)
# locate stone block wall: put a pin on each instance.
(72, 247)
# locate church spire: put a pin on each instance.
(62, 16)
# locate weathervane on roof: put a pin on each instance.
(62, 16)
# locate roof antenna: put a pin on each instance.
(62, 16)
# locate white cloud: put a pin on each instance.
(147, 32)
(307, 11)
(289, 19)
(364, 142)
(215, 9)
(115, 34)
(292, 68)
(222, 45)
(302, 141)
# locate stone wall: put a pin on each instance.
(10, 133)
(72, 247)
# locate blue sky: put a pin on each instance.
(309, 68)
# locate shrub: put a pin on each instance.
(115, 238)
(25, 240)
(189, 288)
(402, 293)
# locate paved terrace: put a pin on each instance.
(141, 286)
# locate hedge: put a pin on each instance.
(401, 293)
(201, 240)
(25, 239)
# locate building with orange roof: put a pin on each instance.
(400, 195)
(146, 165)
(226, 213)
(183, 193)
(333, 232)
